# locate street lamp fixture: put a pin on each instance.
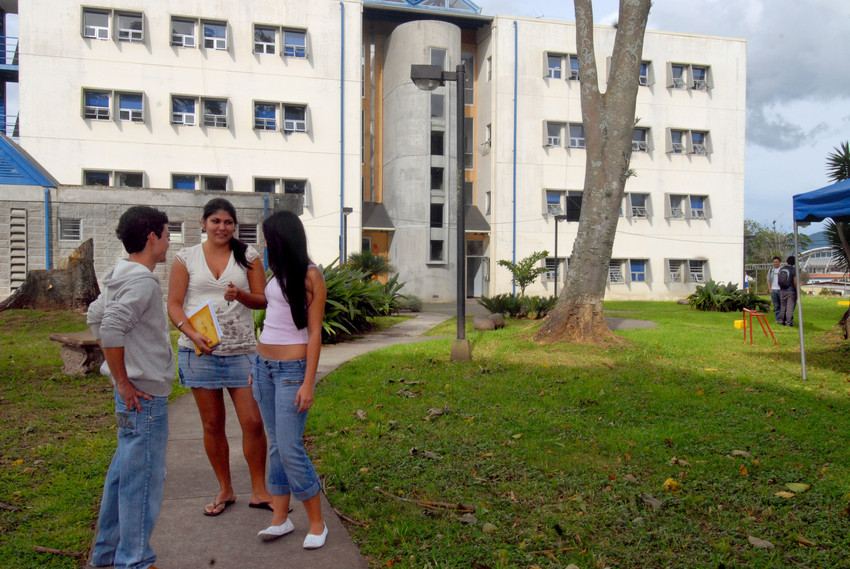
(557, 263)
(428, 78)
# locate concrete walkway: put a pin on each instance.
(186, 539)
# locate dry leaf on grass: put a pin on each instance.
(798, 487)
(760, 543)
(743, 453)
(784, 494)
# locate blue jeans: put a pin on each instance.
(275, 385)
(776, 299)
(132, 493)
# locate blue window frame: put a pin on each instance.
(637, 270)
(265, 116)
(130, 107)
(294, 43)
(183, 182)
(643, 78)
(96, 105)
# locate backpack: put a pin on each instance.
(784, 278)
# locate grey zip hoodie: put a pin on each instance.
(130, 313)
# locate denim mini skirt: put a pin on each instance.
(212, 371)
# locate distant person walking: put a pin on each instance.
(230, 274)
(284, 374)
(773, 285)
(128, 320)
(788, 292)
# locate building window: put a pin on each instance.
(96, 105)
(488, 136)
(678, 140)
(129, 179)
(295, 43)
(698, 140)
(70, 229)
(436, 215)
(551, 264)
(436, 250)
(130, 107)
(183, 111)
(265, 39)
(469, 143)
(637, 205)
(436, 178)
(215, 113)
(489, 200)
(95, 24)
(215, 183)
(437, 143)
(637, 270)
(182, 33)
(696, 271)
(265, 185)
(681, 206)
(700, 78)
(643, 78)
(248, 233)
(438, 105)
(697, 207)
(640, 138)
(554, 62)
(615, 272)
(687, 76)
(265, 116)
(184, 182)
(468, 60)
(297, 188)
(175, 231)
(294, 118)
(576, 136)
(554, 132)
(573, 203)
(555, 200)
(215, 35)
(574, 76)
(438, 57)
(130, 28)
(489, 68)
(96, 178)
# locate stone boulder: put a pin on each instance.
(483, 323)
(498, 320)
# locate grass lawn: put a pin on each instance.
(673, 448)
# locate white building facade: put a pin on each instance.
(314, 99)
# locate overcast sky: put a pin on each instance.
(798, 82)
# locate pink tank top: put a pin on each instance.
(279, 328)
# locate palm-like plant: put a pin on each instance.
(838, 169)
(838, 163)
(371, 264)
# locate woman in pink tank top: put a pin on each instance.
(284, 374)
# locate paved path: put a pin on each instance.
(186, 539)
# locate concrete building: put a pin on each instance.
(313, 101)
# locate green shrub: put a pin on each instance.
(539, 306)
(720, 297)
(369, 263)
(410, 303)
(506, 304)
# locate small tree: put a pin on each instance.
(371, 264)
(526, 270)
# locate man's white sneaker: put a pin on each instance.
(274, 532)
(313, 541)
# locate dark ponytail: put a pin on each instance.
(286, 243)
(238, 247)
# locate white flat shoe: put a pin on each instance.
(274, 532)
(313, 541)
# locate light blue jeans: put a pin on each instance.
(276, 382)
(132, 493)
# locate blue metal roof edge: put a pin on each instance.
(31, 172)
(473, 8)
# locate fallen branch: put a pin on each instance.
(429, 504)
(9, 508)
(41, 549)
(349, 520)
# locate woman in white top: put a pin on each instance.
(230, 274)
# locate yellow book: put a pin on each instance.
(204, 320)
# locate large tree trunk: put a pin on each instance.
(72, 285)
(609, 121)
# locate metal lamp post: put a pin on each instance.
(428, 78)
(557, 219)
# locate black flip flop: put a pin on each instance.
(215, 506)
(262, 506)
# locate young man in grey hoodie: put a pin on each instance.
(129, 321)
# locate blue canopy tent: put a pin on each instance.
(833, 202)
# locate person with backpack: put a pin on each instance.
(773, 285)
(787, 279)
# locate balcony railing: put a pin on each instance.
(10, 126)
(10, 50)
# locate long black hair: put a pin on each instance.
(237, 246)
(286, 243)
